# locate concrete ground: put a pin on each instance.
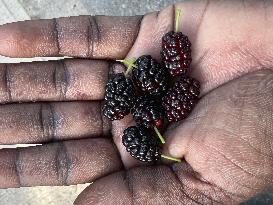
(16, 10)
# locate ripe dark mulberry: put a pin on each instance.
(148, 112)
(141, 144)
(176, 52)
(149, 76)
(181, 99)
(119, 97)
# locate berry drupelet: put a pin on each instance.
(148, 112)
(181, 99)
(149, 76)
(176, 53)
(119, 97)
(141, 144)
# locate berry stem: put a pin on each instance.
(159, 135)
(170, 158)
(130, 63)
(177, 19)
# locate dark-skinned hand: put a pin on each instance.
(226, 142)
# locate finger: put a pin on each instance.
(53, 81)
(230, 129)
(151, 185)
(117, 128)
(82, 36)
(62, 163)
(152, 28)
(44, 122)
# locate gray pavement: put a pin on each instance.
(17, 10)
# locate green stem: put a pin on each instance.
(159, 135)
(129, 70)
(170, 158)
(177, 19)
(130, 63)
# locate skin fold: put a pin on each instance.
(226, 142)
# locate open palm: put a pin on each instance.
(226, 141)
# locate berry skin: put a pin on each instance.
(119, 97)
(181, 99)
(176, 53)
(149, 76)
(148, 112)
(141, 144)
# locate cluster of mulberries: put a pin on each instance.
(150, 94)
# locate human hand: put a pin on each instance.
(226, 141)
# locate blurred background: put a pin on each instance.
(18, 10)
